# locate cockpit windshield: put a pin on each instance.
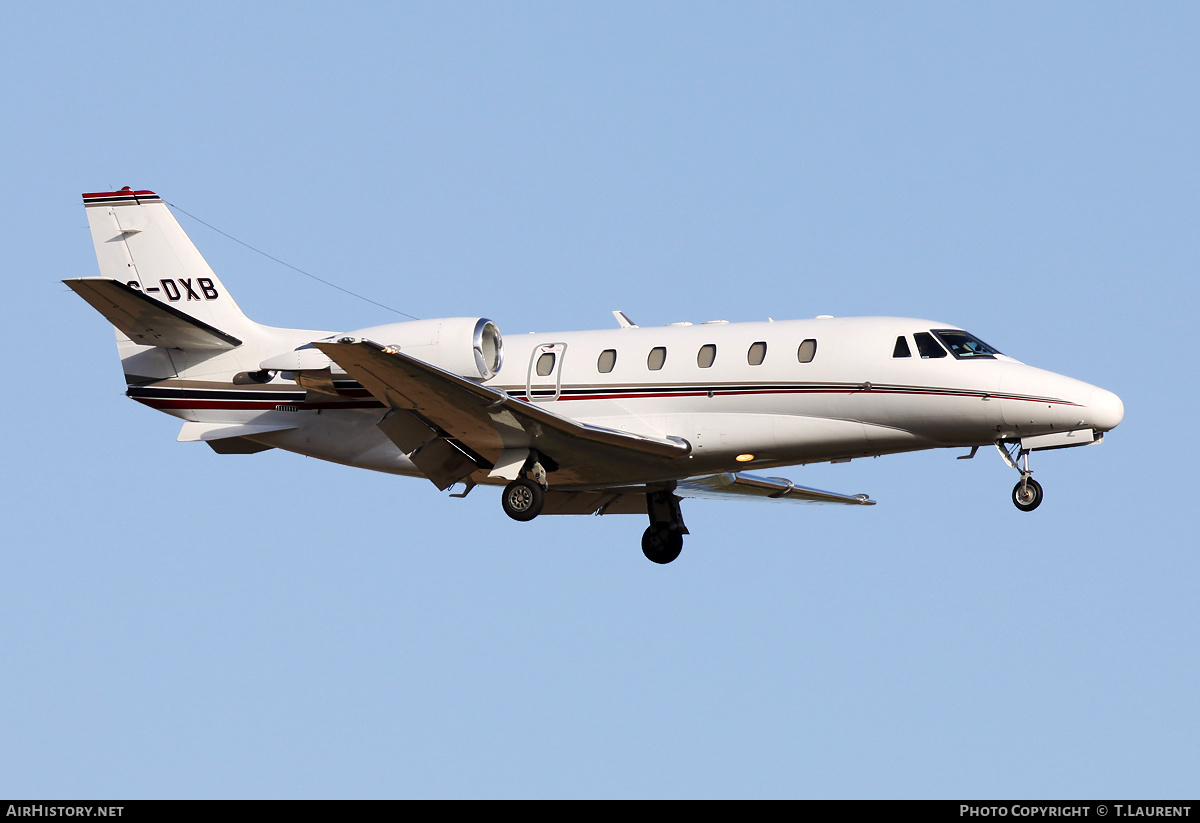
(963, 345)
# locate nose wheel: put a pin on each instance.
(1027, 495)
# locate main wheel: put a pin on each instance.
(661, 544)
(523, 499)
(1027, 495)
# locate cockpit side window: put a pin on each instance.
(965, 346)
(927, 346)
(901, 349)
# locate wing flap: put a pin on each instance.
(148, 321)
(731, 485)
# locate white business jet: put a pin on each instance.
(619, 421)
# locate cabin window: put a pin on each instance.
(608, 359)
(901, 349)
(545, 364)
(757, 353)
(807, 351)
(658, 356)
(927, 346)
(706, 356)
(965, 346)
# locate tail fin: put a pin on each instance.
(141, 244)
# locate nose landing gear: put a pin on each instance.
(1027, 494)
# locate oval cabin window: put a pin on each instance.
(658, 356)
(706, 356)
(756, 354)
(608, 359)
(807, 351)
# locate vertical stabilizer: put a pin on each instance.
(141, 244)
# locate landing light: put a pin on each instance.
(744, 458)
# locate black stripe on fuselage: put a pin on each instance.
(294, 397)
(165, 392)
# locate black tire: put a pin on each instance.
(523, 499)
(661, 544)
(1027, 495)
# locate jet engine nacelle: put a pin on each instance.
(470, 347)
(467, 346)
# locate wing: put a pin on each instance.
(729, 486)
(632, 500)
(451, 427)
(146, 321)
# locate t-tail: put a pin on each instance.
(170, 309)
(140, 245)
(185, 346)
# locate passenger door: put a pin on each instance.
(543, 382)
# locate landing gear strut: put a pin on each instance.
(1027, 494)
(663, 540)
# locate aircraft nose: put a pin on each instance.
(1106, 410)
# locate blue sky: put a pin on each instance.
(176, 623)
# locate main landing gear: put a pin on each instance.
(524, 497)
(663, 540)
(1027, 494)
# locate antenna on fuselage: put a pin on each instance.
(625, 322)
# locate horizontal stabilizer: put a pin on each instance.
(730, 485)
(147, 321)
(230, 438)
(207, 432)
